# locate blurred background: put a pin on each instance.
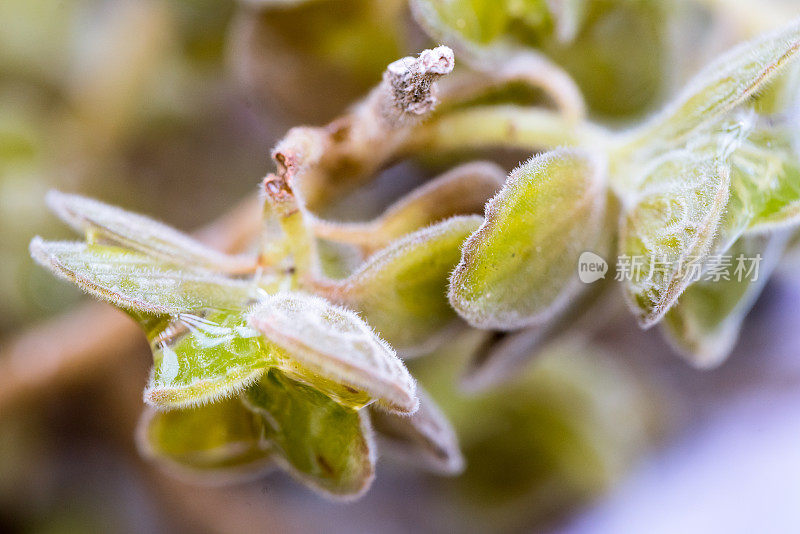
(170, 107)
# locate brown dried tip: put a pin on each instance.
(279, 194)
(409, 80)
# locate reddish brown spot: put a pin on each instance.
(277, 188)
(323, 463)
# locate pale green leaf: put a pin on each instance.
(768, 170)
(321, 443)
(520, 266)
(402, 290)
(765, 185)
(107, 224)
(220, 442)
(336, 344)
(203, 357)
(137, 282)
(726, 83)
(669, 227)
(704, 324)
(425, 437)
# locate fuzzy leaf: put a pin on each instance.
(107, 224)
(336, 344)
(425, 437)
(203, 357)
(323, 444)
(520, 266)
(219, 441)
(704, 324)
(136, 282)
(726, 83)
(768, 170)
(765, 185)
(401, 290)
(671, 225)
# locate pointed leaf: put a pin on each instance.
(336, 344)
(203, 357)
(726, 83)
(402, 290)
(704, 324)
(425, 437)
(519, 267)
(220, 442)
(137, 282)
(321, 443)
(111, 225)
(669, 228)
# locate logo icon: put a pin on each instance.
(591, 267)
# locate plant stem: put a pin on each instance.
(518, 127)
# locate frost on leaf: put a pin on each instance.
(667, 231)
(321, 443)
(424, 437)
(136, 282)
(520, 266)
(111, 225)
(402, 290)
(704, 324)
(219, 443)
(201, 357)
(337, 345)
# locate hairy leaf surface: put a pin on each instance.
(669, 228)
(402, 290)
(107, 224)
(203, 357)
(520, 266)
(137, 282)
(336, 344)
(704, 324)
(726, 83)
